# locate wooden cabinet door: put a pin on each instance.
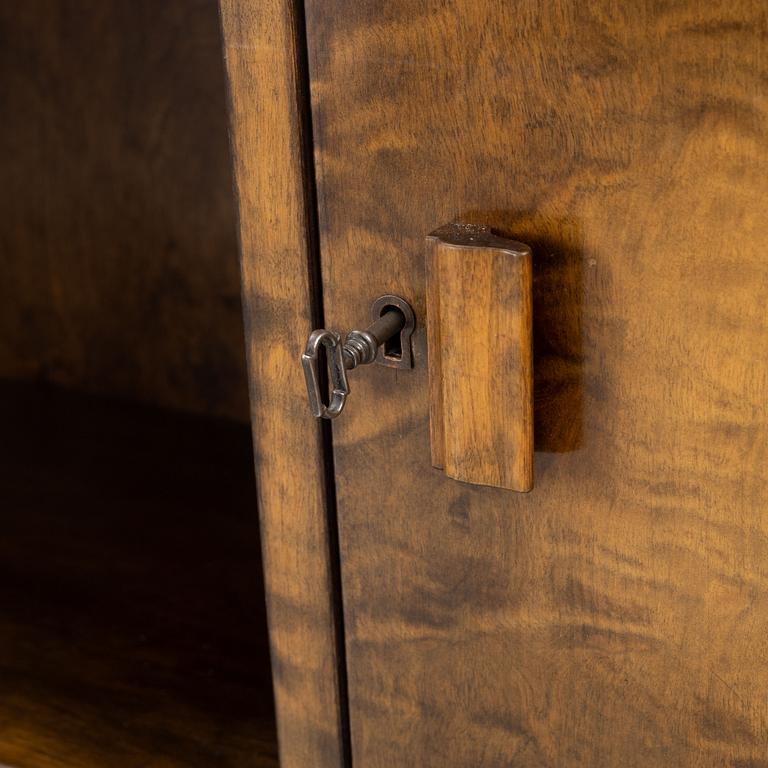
(617, 615)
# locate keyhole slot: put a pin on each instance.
(393, 346)
(395, 352)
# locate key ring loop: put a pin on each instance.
(337, 373)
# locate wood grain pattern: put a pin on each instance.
(261, 59)
(478, 288)
(118, 241)
(616, 615)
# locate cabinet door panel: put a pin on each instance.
(617, 615)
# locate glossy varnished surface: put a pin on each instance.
(132, 623)
(616, 615)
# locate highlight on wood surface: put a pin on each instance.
(479, 323)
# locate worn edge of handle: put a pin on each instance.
(434, 356)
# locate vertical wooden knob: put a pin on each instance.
(479, 321)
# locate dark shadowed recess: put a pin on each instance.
(132, 622)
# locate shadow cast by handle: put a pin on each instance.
(558, 289)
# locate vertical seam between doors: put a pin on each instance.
(306, 140)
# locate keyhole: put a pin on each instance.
(393, 346)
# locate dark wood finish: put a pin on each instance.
(480, 357)
(616, 615)
(261, 57)
(132, 620)
(118, 241)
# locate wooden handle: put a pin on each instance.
(479, 311)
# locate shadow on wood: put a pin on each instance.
(558, 360)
